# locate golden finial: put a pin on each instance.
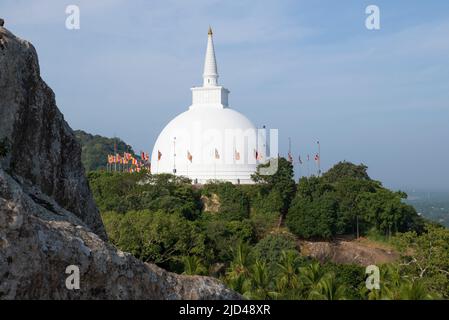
(210, 31)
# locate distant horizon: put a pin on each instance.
(313, 71)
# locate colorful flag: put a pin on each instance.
(159, 155)
(317, 158)
(217, 155)
(189, 156)
(237, 155)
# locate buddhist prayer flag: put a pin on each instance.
(317, 158)
(144, 156)
(189, 156)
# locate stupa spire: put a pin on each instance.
(210, 74)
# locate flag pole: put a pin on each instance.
(289, 146)
(319, 158)
(115, 154)
(308, 165)
(174, 155)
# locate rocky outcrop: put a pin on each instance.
(361, 252)
(43, 150)
(48, 220)
(37, 244)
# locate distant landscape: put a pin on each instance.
(431, 205)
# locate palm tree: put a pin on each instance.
(414, 290)
(288, 266)
(241, 260)
(237, 275)
(311, 275)
(328, 289)
(261, 283)
(193, 265)
(393, 286)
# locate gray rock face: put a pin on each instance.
(48, 220)
(43, 150)
(37, 245)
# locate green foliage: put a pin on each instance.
(385, 211)
(264, 223)
(352, 277)
(343, 170)
(348, 203)
(280, 186)
(154, 236)
(426, 257)
(161, 218)
(314, 210)
(95, 149)
(193, 265)
(328, 289)
(234, 203)
(264, 199)
(397, 285)
(138, 191)
(221, 235)
(269, 249)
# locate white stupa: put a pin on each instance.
(209, 141)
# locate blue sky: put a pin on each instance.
(309, 68)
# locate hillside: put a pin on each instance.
(96, 148)
(232, 232)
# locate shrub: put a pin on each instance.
(269, 249)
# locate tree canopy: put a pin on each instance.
(95, 149)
